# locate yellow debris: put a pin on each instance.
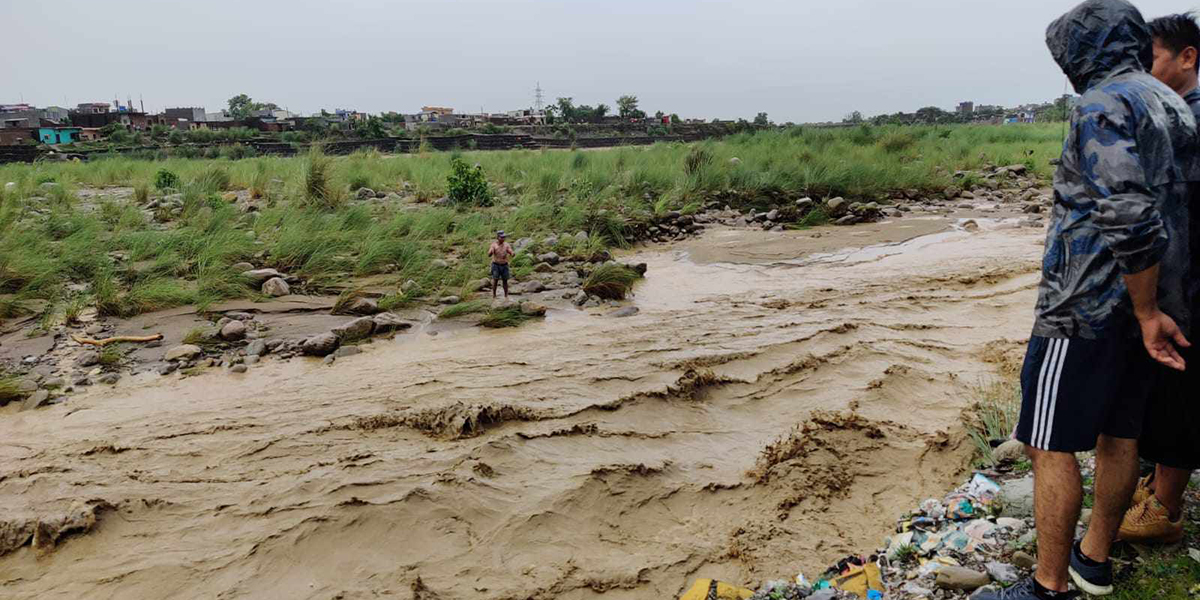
(699, 591)
(858, 580)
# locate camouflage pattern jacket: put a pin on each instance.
(1120, 192)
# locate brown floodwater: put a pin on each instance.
(778, 401)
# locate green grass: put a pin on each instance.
(498, 318)
(1163, 575)
(611, 281)
(307, 223)
(111, 356)
(464, 308)
(993, 416)
(10, 389)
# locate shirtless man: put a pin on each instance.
(500, 251)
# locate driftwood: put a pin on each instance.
(118, 339)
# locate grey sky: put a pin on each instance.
(798, 60)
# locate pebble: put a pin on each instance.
(1023, 560)
(237, 369)
(961, 578)
(256, 348)
(87, 358)
(94, 330)
(168, 368)
(329, 359)
(109, 378)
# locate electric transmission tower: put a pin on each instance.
(538, 98)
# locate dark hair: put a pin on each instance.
(1177, 32)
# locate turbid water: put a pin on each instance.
(777, 402)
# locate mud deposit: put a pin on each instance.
(754, 419)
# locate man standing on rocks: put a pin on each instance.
(1171, 437)
(501, 252)
(1116, 255)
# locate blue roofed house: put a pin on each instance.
(58, 135)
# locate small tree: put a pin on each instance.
(855, 117)
(467, 185)
(627, 107)
(761, 119)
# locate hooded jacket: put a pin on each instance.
(1120, 197)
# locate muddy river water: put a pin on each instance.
(775, 404)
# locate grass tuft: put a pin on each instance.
(994, 415)
(611, 281)
(510, 316)
(464, 308)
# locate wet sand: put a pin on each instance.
(775, 404)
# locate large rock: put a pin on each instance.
(529, 287)
(233, 331)
(522, 244)
(357, 329)
(276, 287)
(258, 276)
(35, 400)
(530, 309)
(961, 578)
(87, 358)
(580, 298)
(550, 257)
(389, 322)
(363, 306)
(183, 352)
(257, 348)
(1016, 497)
(321, 344)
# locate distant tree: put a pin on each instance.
(854, 117)
(566, 109)
(240, 106)
(600, 112)
(674, 118)
(372, 129)
(627, 107)
(761, 119)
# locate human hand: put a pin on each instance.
(1160, 335)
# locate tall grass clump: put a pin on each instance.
(510, 316)
(319, 190)
(611, 281)
(995, 412)
(697, 159)
(464, 308)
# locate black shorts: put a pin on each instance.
(1074, 389)
(1171, 436)
(499, 271)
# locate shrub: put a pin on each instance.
(697, 159)
(611, 281)
(165, 179)
(896, 142)
(467, 185)
(318, 189)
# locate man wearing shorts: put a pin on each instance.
(1171, 433)
(1111, 269)
(501, 252)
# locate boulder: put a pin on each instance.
(550, 241)
(258, 276)
(321, 344)
(87, 358)
(183, 352)
(365, 193)
(837, 205)
(233, 331)
(54, 383)
(530, 309)
(27, 386)
(961, 578)
(276, 287)
(363, 306)
(354, 330)
(388, 322)
(529, 287)
(35, 400)
(581, 236)
(543, 267)
(257, 348)
(522, 244)
(549, 257)
(109, 378)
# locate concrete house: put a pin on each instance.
(58, 135)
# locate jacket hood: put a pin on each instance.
(1100, 38)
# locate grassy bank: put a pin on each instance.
(114, 254)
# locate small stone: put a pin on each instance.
(1009, 451)
(543, 267)
(408, 286)
(961, 578)
(580, 298)
(242, 267)
(529, 287)
(329, 360)
(365, 193)
(238, 369)
(345, 351)
(87, 358)
(449, 300)
(582, 236)
(276, 287)
(109, 378)
(81, 381)
(94, 330)
(439, 263)
(549, 257)
(252, 360)
(530, 309)
(184, 351)
(233, 331)
(628, 311)
(54, 383)
(836, 205)
(27, 386)
(1023, 560)
(167, 369)
(847, 220)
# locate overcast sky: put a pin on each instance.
(797, 60)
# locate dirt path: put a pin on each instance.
(753, 419)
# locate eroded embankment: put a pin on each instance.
(752, 420)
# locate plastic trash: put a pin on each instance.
(874, 595)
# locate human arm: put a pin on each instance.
(1160, 334)
(492, 250)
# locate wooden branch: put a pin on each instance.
(118, 339)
